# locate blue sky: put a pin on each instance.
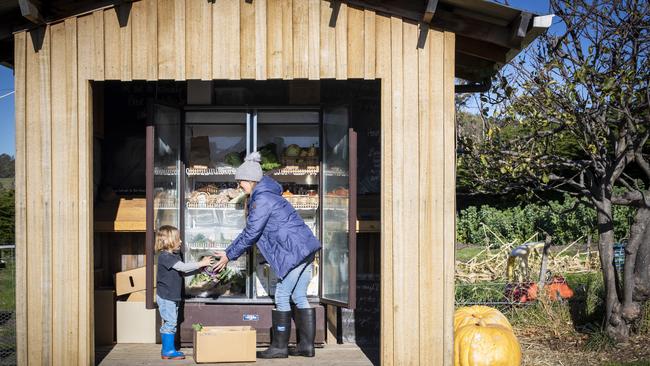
(7, 112)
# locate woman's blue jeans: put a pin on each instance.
(169, 313)
(294, 286)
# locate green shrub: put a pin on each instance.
(518, 223)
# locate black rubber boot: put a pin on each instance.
(306, 331)
(279, 336)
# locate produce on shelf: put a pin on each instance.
(233, 159)
(484, 337)
(287, 193)
(292, 150)
(269, 158)
(223, 196)
(471, 315)
(197, 327)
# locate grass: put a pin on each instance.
(6, 183)
(468, 253)
(7, 283)
(635, 363)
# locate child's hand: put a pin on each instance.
(205, 261)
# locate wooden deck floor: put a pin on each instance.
(149, 355)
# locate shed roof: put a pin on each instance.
(488, 34)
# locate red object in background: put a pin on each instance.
(558, 287)
(521, 292)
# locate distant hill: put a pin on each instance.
(7, 164)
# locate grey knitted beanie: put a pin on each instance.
(251, 169)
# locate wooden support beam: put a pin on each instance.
(31, 11)
(477, 48)
(519, 28)
(430, 10)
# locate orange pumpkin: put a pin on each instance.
(471, 315)
(486, 345)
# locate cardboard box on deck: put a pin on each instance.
(135, 323)
(225, 344)
(140, 296)
(104, 317)
(131, 281)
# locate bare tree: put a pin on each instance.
(574, 117)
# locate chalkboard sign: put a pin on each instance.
(367, 313)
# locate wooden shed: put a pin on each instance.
(417, 50)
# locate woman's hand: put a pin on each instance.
(223, 261)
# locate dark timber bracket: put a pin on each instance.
(31, 11)
(430, 10)
(519, 28)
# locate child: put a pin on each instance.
(169, 284)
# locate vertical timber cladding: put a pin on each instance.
(233, 39)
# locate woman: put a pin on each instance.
(289, 246)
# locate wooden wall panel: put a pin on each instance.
(280, 39)
(449, 223)
(356, 38)
(95, 26)
(22, 321)
(383, 70)
(84, 104)
(260, 40)
(198, 40)
(39, 208)
(369, 44)
(287, 39)
(225, 40)
(401, 339)
(274, 39)
(341, 32)
(436, 188)
(166, 40)
(427, 254)
(140, 39)
(112, 47)
(179, 39)
(301, 39)
(64, 192)
(144, 38)
(248, 24)
(314, 39)
(327, 41)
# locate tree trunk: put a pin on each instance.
(630, 310)
(642, 269)
(614, 324)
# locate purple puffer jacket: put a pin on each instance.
(281, 235)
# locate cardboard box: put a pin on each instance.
(225, 344)
(104, 317)
(131, 281)
(135, 323)
(140, 296)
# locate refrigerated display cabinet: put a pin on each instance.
(192, 154)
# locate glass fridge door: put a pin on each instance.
(162, 186)
(289, 141)
(215, 144)
(338, 269)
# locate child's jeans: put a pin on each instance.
(294, 286)
(169, 313)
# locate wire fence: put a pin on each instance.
(500, 295)
(7, 305)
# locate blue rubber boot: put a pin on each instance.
(169, 351)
